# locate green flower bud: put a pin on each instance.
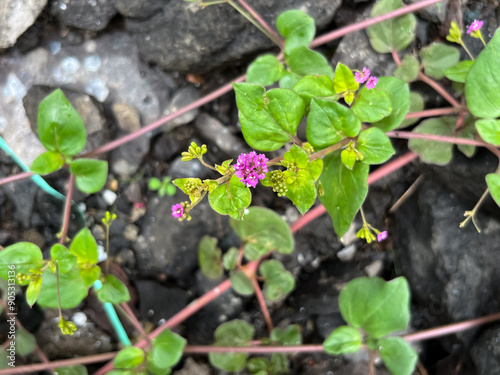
(67, 328)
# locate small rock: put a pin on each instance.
(126, 117)
(138, 8)
(167, 146)
(374, 268)
(485, 352)
(92, 15)
(33, 236)
(109, 197)
(193, 368)
(212, 130)
(133, 192)
(98, 232)
(347, 253)
(126, 258)
(22, 193)
(186, 169)
(181, 98)
(131, 232)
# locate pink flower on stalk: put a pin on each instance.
(371, 83)
(382, 236)
(475, 26)
(251, 168)
(177, 210)
(362, 77)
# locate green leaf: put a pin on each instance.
(408, 71)
(259, 366)
(290, 335)
(265, 70)
(344, 79)
(230, 198)
(394, 34)
(241, 283)
(268, 120)
(84, 247)
(234, 333)
(60, 127)
(489, 130)
(493, 181)
(345, 190)
(230, 259)
(314, 87)
(73, 291)
(482, 87)
(209, 257)
(377, 306)
(154, 183)
(90, 174)
(302, 191)
(113, 291)
(25, 342)
(65, 260)
(129, 358)
(263, 230)
(20, 258)
(434, 152)
(90, 275)
(458, 72)
(328, 122)
(371, 105)
(348, 158)
(278, 282)
(33, 291)
(288, 80)
(467, 132)
(297, 28)
(47, 162)
(399, 356)
(343, 340)
(399, 94)
(375, 146)
(416, 105)
(74, 370)
(303, 61)
(167, 350)
(437, 58)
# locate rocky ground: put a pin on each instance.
(126, 63)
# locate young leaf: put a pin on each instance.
(278, 282)
(154, 183)
(230, 259)
(263, 230)
(345, 190)
(482, 88)
(25, 342)
(399, 357)
(348, 158)
(241, 283)
(437, 58)
(33, 291)
(65, 259)
(303, 61)
(234, 333)
(20, 258)
(342, 340)
(297, 28)
(288, 80)
(302, 191)
(265, 70)
(290, 335)
(371, 105)
(344, 79)
(408, 71)
(399, 94)
(375, 146)
(167, 350)
(314, 87)
(376, 306)
(90, 174)
(416, 105)
(47, 162)
(60, 127)
(434, 152)
(113, 291)
(73, 291)
(230, 198)
(394, 34)
(458, 72)
(209, 257)
(90, 275)
(328, 122)
(84, 247)
(129, 358)
(489, 130)
(493, 182)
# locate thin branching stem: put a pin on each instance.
(262, 304)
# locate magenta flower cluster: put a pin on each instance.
(250, 168)
(177, 210)
(382, 236)
(475, 26)
(364, 76)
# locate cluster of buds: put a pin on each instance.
(67, 327)
(474, 30)
(364, 76)
(194, 152)
(181, 211)
(366, 233)
(351, 155)
(278, 182)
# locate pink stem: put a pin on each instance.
(262, 304)
(439, 89)
(16, 177)
(203, 349)
(434, 137)
(432, 113)
(67, 210)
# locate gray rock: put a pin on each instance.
(193, 368)
(181, 98)
(22, 193)
(138, 8)
(15, 18)
(184, 37)
(434, 13)
(186, 169)
(485, 352)
(92, 15)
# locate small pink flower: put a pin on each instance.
(251, 168)
(177, 210)
(475, 26)
(139, 205)
(382, 236)
(371, 83)
(362, 77)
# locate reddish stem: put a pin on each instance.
(262, 304)
(432, 113)
(67, 210)
(135, 322)
(203, 349)
(16, 177)
(439, 89)
(433, 137)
